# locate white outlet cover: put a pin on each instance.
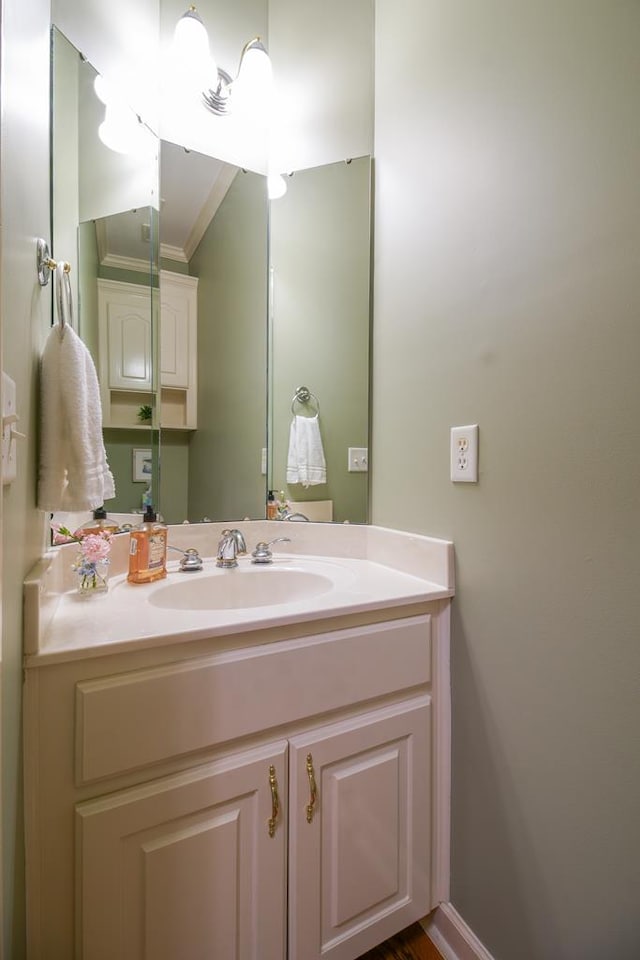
(464, 454)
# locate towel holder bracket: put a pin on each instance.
(303, 395)
(45, 263)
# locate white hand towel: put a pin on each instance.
(306, 463)
(74, 473)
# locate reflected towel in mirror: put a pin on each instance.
(306, 463)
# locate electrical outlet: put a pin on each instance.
(358, 461)
(464, 454)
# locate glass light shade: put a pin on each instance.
(102, 89)
(276, 186)
(122, 132)
(252, 89)
(194, 61)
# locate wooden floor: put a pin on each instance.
(411, 944)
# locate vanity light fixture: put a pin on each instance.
(122, 130)
(276, 186)
(249, 92)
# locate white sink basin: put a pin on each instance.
(240, 588)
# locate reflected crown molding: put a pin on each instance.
(169, 252)
(209, 208)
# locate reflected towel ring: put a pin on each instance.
(303, 396)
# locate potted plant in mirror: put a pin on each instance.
(145, 413)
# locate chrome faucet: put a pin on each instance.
(232, 545)
(285, 513)
(262, 552)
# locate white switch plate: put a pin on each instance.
(8, 432)
(263, 462)
(464, 454)
(358, 461)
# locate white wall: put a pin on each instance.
(507, 292)
(25, 312)
(120, 39)
(323, 68)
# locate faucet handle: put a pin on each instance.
(191, 559)
(262, 552)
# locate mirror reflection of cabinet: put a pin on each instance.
(126, 353)
(178, 350)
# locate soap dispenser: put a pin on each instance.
(100, 524)
(148, 550)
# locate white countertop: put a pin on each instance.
(62, 625)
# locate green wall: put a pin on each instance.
(507, 293)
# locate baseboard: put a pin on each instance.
(451, 935)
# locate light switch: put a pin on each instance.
(9, 432)
(358, 460)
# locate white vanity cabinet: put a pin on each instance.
(359, 831)
(126, 351)
(199, 798)
(186, 866)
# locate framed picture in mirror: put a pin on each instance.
(141, 465)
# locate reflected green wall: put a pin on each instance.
(320, 259)
(225, 478)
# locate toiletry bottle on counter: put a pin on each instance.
(101, 523)
(272, 506)
(148, 550)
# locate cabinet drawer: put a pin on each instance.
(130, 720)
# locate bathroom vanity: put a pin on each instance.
(267, 781)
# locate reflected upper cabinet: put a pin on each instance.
(126, 351)
(178, 350)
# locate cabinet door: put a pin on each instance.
(187, 866)
(125, 335)
(178, 330)
(359, 853)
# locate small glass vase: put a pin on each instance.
(93, 576)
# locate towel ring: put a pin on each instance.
(303, 396)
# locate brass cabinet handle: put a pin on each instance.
(275, 801)
(313, 790)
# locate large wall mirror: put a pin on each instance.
(206, 306)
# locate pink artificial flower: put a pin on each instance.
(62, 534)
(96, 546)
